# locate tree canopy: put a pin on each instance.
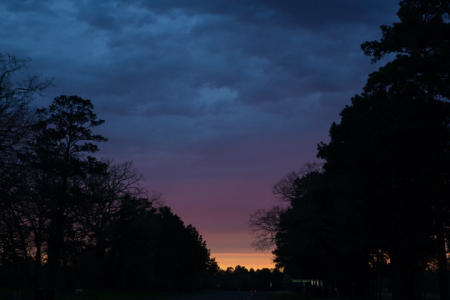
(69, 219)
(380, 203)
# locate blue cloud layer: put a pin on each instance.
(198, 72)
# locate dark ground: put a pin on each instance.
(8, 294)
(232, 295)
(226, 296)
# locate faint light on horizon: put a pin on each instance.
(244, 259)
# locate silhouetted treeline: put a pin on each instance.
(68, 219)
(378, 209)
(243, 279)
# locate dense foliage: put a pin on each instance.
(379, 206)
(242, 279)
(68, 219)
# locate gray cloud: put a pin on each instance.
(239, 62)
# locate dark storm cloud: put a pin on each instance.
(311, 14)
(173, 49)
(30, 6)
(245, 64)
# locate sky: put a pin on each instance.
(213, 101)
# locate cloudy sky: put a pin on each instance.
(213, 100)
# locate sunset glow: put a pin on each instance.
(248, 260)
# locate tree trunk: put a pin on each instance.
(37, 258)
(55, 245)
(407, 275)
(442, 262)
(56, 240)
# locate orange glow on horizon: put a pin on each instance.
(249, 260)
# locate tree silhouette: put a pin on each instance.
(61, 143)
(388, 156)
(181, 257)
(68, 219)
(383, 194)
(385, 162)
(15, 96)
(421, 69)
(16, 119)
(71, 220)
